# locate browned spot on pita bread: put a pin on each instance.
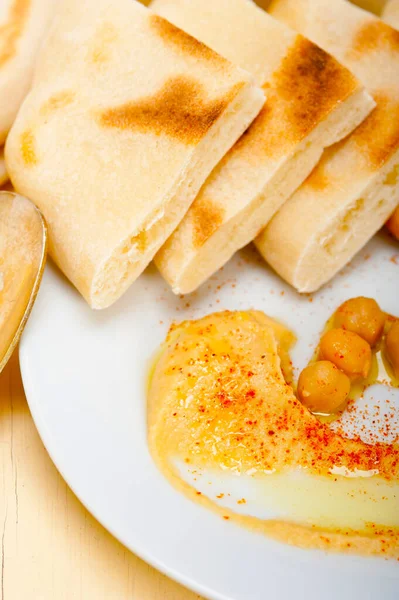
(183, 42)
(305, 89)
(375, 35)
(318, 179)
(58, 100)
(28, 148)
(11, 31)
(392, 177)
(102, 43)
(311, 83)
(206, 218)
(378, 135)
(180, 109)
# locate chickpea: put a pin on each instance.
(392, 347)
(393, 224)
(348, 351)
(322, 387)
(362, 316)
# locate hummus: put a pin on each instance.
(218, 400)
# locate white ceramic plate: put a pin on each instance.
(84, 373)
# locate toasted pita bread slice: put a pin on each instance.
(354, 188)
(3, 170)
(22, 26)
(313, 101)
(126, 118)
(390, 14)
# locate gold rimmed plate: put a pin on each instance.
(23, 250)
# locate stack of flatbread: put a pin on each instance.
(312, 102)
(22, 26)
(355, 186)
(146, 134)
(126, 118)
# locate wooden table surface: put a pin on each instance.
(51, 547)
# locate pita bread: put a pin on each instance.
(126, 118)
(3, 170)
(22, 26)
(374, 6)
(390, 13)
(355, 187)
(313, 101)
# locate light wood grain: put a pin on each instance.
(51, 547)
